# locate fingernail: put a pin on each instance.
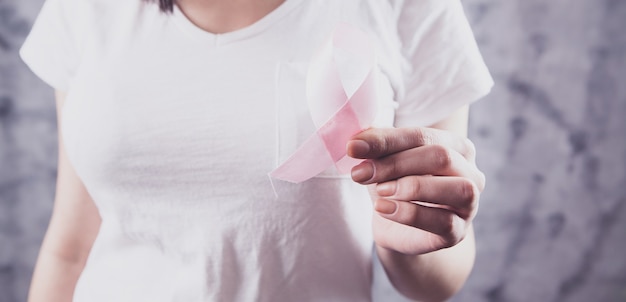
(387, 188)
(358, 148)
(363, 172)
(385, 206)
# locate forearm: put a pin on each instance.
(64, 250)
(434, 276)
(54, 278)
(73, 228)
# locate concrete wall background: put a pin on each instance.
(551, 139)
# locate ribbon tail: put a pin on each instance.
(309, 160)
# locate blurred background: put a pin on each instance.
(551, 138)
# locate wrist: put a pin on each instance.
(433, 276)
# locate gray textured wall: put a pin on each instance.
(551, 138)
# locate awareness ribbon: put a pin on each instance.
(341, 96)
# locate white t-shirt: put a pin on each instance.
(173, 131)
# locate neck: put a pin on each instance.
(222, 16)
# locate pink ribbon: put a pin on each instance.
(341, 97)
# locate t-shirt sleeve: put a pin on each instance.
(443, 68)
(51, 48)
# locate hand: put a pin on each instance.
(424, 183)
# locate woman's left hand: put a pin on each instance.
(425, 185)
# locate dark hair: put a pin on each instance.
(166, 6)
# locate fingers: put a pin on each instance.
(455, 193)
(379, 142)
(427, 160)
(426, 180)
(449, 227)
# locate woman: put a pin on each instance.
(171, 116)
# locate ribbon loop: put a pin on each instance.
(342, 101)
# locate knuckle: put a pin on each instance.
(470, 148)
(442, 156)
(381, 144)
(396, 167)
(377, 144)
(482, 181)
(452, 231)
(409, 188)
(469, 195)
(416, 188)
(419, 136)
(429, 137)
(468, 191)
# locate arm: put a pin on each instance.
(73, 227)
(427, 249)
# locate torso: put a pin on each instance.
(173, 130)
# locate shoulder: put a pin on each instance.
(75, 9)
(76, 5)
(408, 21)
(101, 22)
(421, 6)
(78, 13)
